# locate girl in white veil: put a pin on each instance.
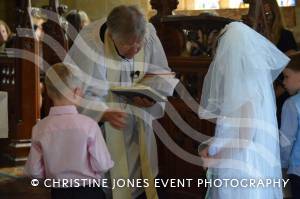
(238, 94)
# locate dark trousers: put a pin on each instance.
(295, 186)
(77, 193)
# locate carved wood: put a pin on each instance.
(20, 78)
(167, 34)
(204, 23)
(54, 29)
(23, 15)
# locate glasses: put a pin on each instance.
(137, 44)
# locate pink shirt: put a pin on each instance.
(68, 145)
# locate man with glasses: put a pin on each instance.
(121, 51)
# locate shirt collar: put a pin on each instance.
(63, 110)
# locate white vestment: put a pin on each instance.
(87, 53)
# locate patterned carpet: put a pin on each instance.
(11, 174)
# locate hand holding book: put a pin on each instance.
(142, 102)
(152, 88)
(140, 91)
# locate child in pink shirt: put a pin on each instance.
(68, 148)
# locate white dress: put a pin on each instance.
(238, 93)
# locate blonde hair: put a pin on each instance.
(60, 78)
(9, 33)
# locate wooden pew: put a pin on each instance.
(19, 77)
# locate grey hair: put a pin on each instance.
(125, 22)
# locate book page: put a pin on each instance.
(163, 83)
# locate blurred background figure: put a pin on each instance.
(279, 35)
(38, 19)
(265, 17)
(5, 36)
(284, 39)
(76, 19)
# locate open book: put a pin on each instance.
(163, 83)
(139, 91)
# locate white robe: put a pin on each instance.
(87, 53)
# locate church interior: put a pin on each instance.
(187, 30)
